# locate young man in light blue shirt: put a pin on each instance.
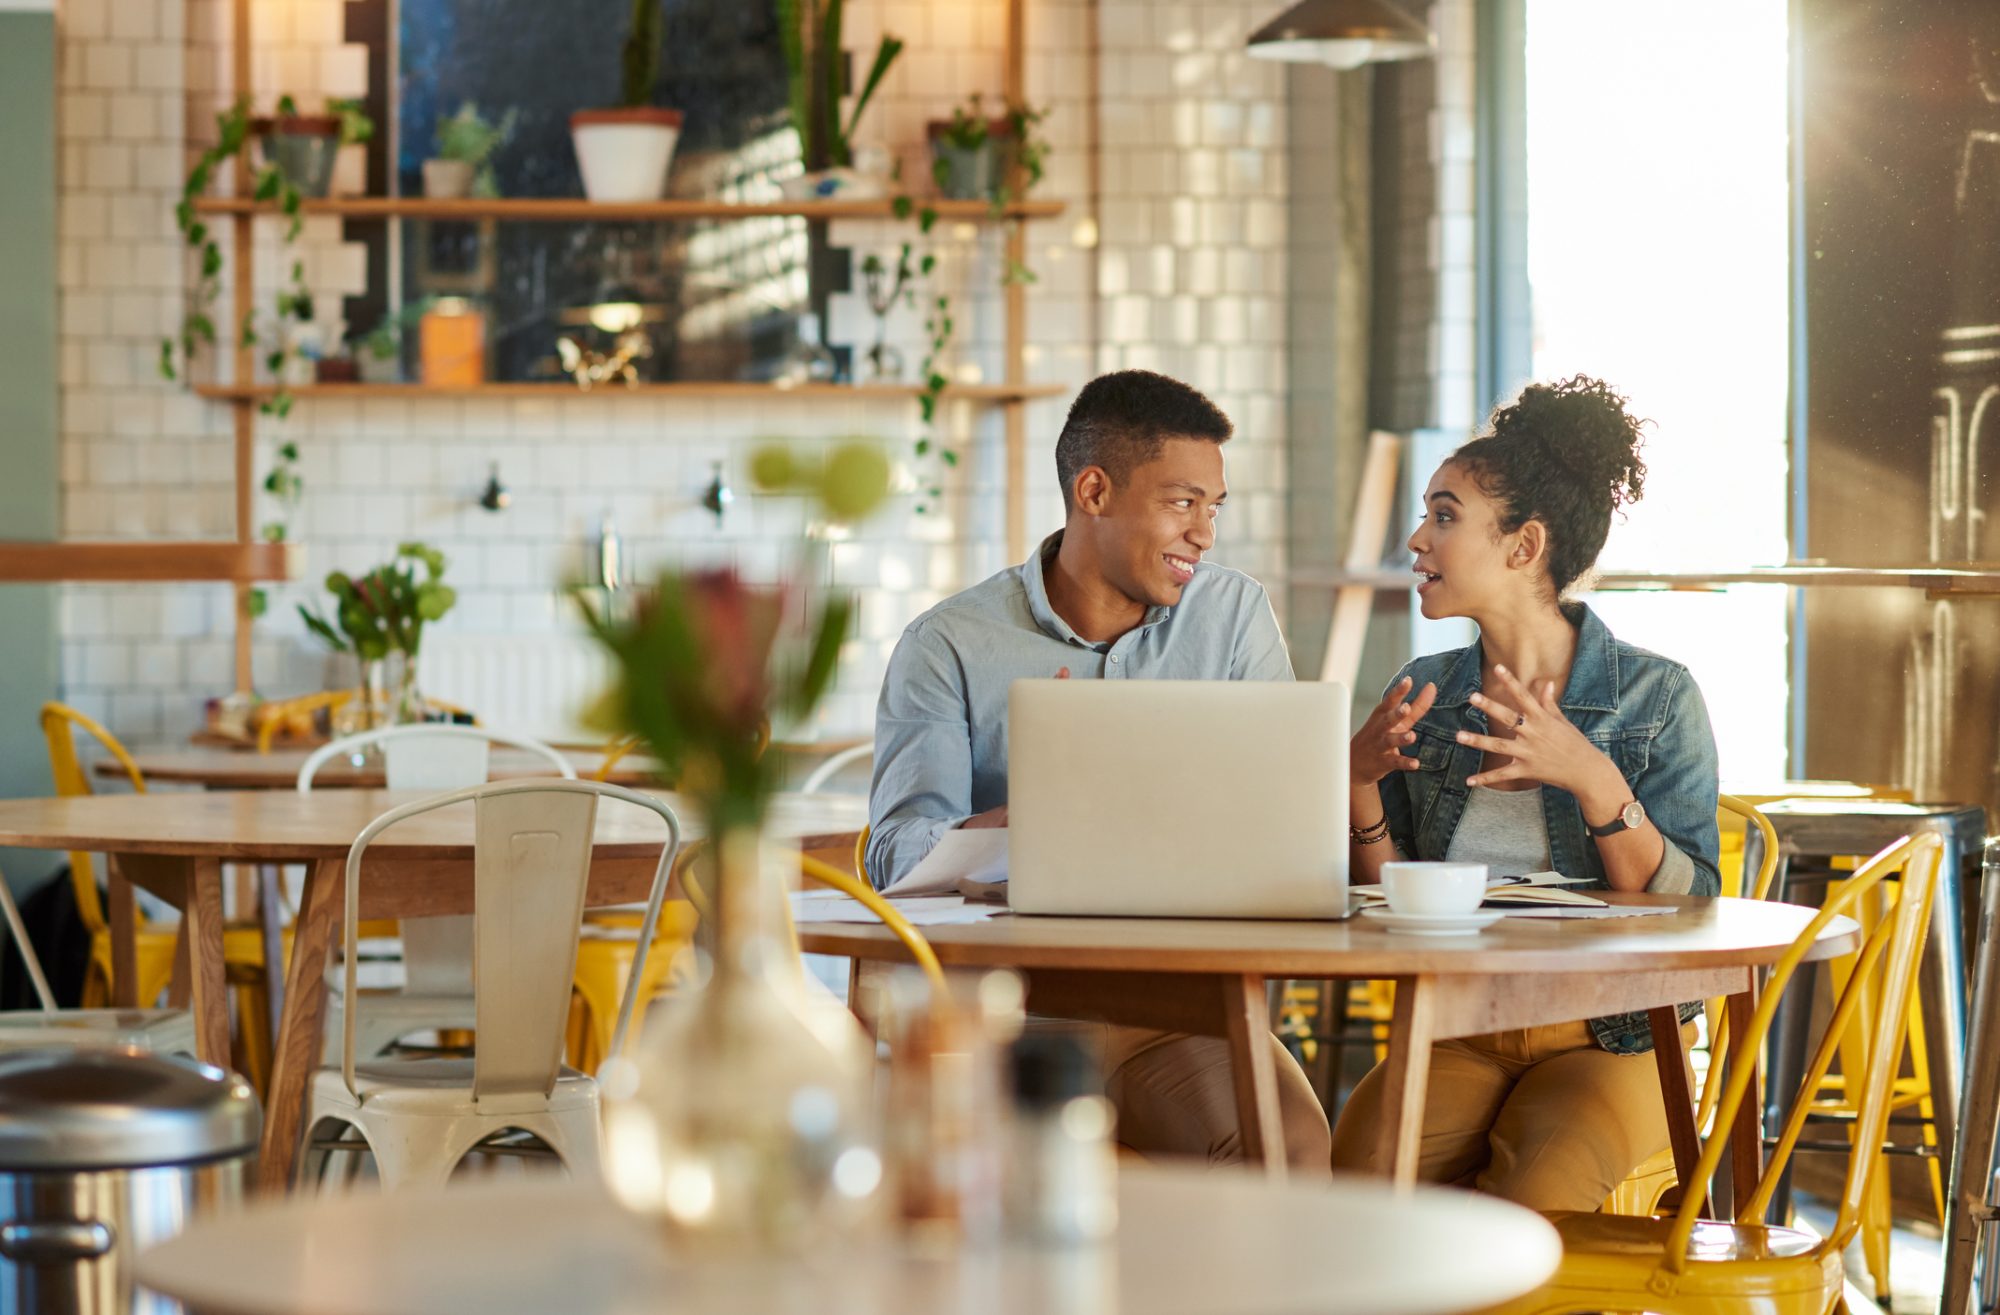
(1120, 592)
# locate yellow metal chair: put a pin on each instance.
(155, 944)
(242, 947)
(1646, 1186)
(1684, 1265)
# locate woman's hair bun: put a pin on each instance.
(1584, 426)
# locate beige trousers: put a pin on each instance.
(1176, 1096)
(1542, 1116)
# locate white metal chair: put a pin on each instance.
(531, 864)
(163, 1031)
(826, 771)
(437, 952)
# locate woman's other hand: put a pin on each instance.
(1376, 749)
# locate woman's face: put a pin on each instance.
(1469, 566)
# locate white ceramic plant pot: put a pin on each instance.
(624, 154)
(447, 180)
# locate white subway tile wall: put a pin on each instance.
(1166, 141)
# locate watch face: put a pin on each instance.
(1633, 814)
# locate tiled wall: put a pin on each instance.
(1180, 267)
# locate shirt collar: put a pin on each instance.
(1593, 674)
(1035, 584)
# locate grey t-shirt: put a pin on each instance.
(1504, 829)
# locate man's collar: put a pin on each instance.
(1035, 582)
(1593, 674)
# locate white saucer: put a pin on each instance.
(1434, 924)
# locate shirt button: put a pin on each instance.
(1114, 659)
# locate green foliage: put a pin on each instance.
(850, 483)
(285, 485)
(823, 138)
(385, 610)
(467, 136)
(640, 59)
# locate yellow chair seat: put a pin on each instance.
(604, 964)
(155, 947)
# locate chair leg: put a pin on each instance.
(315, 1160)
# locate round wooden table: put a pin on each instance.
(245, 769)
(1189, 1242)
(1209, 977)
(174, 845)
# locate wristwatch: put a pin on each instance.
(1630, 816)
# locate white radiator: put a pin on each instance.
(535, 685)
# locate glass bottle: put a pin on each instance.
(1061, 1168)
(743, 1119)
(809, 361)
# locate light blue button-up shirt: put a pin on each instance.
(941, 725)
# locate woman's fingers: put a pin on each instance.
(1511, 772)
(1490, 743)
(1425, 697)
(1497, 713)
(1516, 693)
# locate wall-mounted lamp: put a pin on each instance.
(1344, 34)
(718, 495)
(495, 496)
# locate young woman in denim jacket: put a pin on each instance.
(1613, 739)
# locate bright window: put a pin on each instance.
(1657, 255)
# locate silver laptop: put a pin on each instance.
(1177, 798)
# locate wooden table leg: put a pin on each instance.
(296, 1054)
(1746, 1139)
(1677, 1090)
(122, 912)
(182, 982)
(1406, 1078)
(1247, 1008)
(201, 931)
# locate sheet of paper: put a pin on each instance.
(1535, 888)
(937, 911)
(1585, 911)
(977, 857)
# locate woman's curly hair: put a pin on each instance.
(1565, 454)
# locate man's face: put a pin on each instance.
(1156, 524)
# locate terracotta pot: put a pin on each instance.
(624, 154)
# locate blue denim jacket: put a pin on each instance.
(1644, 711)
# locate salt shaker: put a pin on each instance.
(1062, 1174)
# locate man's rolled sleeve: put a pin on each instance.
(923, 756)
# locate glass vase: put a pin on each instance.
(406, 703)
(743, 1121)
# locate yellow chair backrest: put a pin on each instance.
(826, 875)
(614, 753)
(275, 715)
(1888, 960)
(1753, 817)
(59, 724)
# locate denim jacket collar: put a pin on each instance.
(1593, 675)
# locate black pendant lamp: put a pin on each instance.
(1344, 34)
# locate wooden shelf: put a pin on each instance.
(572, 209)
(233, 563)
(1969, 579)
(981, 393)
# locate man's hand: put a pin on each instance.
(992, 817)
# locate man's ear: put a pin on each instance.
(1093, 490)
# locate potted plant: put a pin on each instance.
(303, 147)
(816, 78)
(973, 155)
(624, 153)
(380, 618)
(463, 165)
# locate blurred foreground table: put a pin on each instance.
(174, 846)
(1190, 1242)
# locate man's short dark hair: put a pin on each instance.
(1120, 421)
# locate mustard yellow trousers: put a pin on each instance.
(1542, 1116)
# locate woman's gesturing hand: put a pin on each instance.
(1376, 749)
(1546, 746)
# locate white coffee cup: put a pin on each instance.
(1434, 889)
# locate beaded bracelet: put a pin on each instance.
(1373, 833)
